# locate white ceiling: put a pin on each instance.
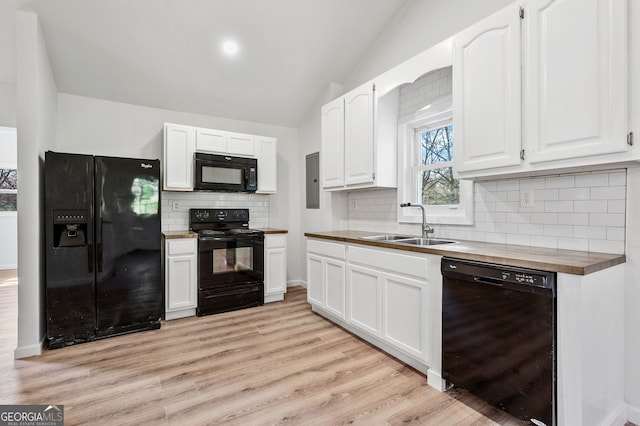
(165, 53)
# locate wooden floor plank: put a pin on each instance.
(275, 364)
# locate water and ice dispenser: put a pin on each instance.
(69, 228)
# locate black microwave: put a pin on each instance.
(225, 173)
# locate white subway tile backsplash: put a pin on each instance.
(615, 234)
(589, 206)
(558, 230)
(606, 246)
(544, 241)
(508, 185)
(606, 219)
(559, 206)
(574, 194)
(171, 220)
(573, 244)
(545, 195)
(544, 218)
(573, 219)
(592, 179)
(523, 240)
(530, 229)
(496, 237)
(534, 183)
(590, 232)
(560, 182)
(616, 206)
(618, 178)
(609, 193)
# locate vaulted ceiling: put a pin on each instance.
(166, 53)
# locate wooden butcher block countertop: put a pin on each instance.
(545, 259)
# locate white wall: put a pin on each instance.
(7, 64)
(36, 119)
(8, 220)
(419, 25)
(99, 127)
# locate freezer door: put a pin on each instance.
(128, 240)
(69, 249)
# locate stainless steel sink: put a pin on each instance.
(407, 239)
(424, 241)
(387, 237)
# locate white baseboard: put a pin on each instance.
(617, 416)
(435, 380)
(295, 283)
(8, 266)
(633, 414)
(27, 351)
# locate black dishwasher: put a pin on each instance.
(499, 336)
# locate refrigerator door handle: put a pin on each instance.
(100, 257)
(90, 257)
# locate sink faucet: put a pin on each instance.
(426, 229)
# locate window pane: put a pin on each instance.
(436, 145)
(8, 179)
(438, 187)
(8, 202)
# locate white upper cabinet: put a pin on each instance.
(210, 140)
(487, 92)
(575, 81)
(181, 142)
(221, 142)
(359, 144)
(568, 59)
(332, 144)
(179, 146)
(267, 154)
(359, 140)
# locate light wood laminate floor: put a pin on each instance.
(276, 364)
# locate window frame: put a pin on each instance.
(8, 191)
(408, 167)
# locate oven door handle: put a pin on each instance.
(216, 239)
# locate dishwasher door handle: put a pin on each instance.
(486, 280)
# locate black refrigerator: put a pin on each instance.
(102, 247)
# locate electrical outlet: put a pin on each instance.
(526, 198)
(175, 206)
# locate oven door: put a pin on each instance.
(230, 261)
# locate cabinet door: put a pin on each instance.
(487, 92)
(334, 287)
(315, 280)
(209, 140)
(240, 144)
(267, 153)
(179, 146)
(181, 282)
(406, 314)
(275, 271)
(332, 144)
(575, 95)
(363, 287)
(359, 140)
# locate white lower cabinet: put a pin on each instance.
(275, 267)
(385, 296)
(406, 311)
(181, 277)
(363, 293)
(326, 276)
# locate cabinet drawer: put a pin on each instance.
(324, 248)
(273, 241)
(392, 261)
(181, 246)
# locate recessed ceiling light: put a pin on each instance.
(230, 48)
